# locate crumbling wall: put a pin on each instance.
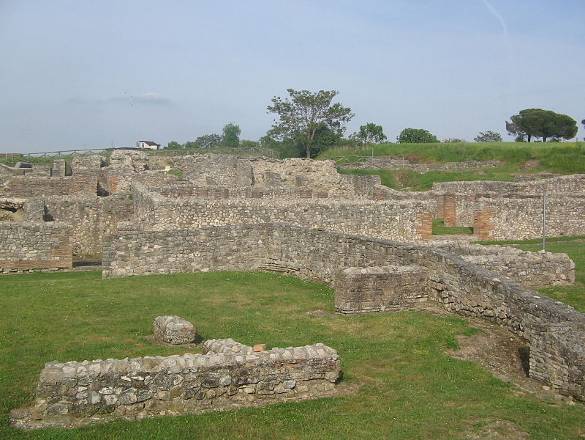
(392, 220)
(396, 163)
(34, 246)
(460, 286)
(190, 383)
(574, 183)
(521, 217)
(531, 269)
(35, 186)
(91, 218)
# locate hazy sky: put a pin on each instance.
(91, 73)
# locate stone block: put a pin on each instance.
(173, 330)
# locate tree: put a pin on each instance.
(488, 136)
(205, 141)
(231, 135)
(174, 145)
(370, 134)
(416, 136)
(304, 113)
(536, 122)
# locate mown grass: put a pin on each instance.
(408, 387)
(439, 228)
(574, 247)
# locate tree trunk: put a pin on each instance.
(544, 139)
(308, 150)
(529, 137)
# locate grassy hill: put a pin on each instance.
(516, 158)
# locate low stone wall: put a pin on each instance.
(395, 163)
(191, 383)
(460, 286)
(405, 221)
(520, 218)
(574, 183)
(35, 186)
(34, 246)
(531, 269)
(379, 289)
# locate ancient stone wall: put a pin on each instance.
(35, 186)
(379, 289)
(392, 220)
(562, 184)
(531, 269)
(34, 246)
(92, 218)
(396, 163)
(190, 383)
(269, 176)
(520, 217)
(460, 286)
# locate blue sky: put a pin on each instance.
(81, 73)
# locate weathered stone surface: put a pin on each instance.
(152, 385)
(173, 330)
(34, 246)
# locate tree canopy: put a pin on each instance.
(231, 135)
(370, 133)
(416, 136)
(543, 124)
(488, 136)
(304, 114)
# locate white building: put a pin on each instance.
(147, 145)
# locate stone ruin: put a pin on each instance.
(173, 330)
(156, 214)
(227, 375)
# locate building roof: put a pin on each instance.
(150, 143)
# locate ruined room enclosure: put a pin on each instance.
(372, 244)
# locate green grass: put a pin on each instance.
(439, 228)
(562, 158)
(574, 247)
(413, 181)
(567, 157)
(408, 387)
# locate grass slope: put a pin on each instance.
(409, 387)
(563, 158)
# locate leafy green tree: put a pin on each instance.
(205, 141)
(416, 136)
(304, 114)
(174, 145)
(488, 136)
(231, 135)
(544, 124)
(370, 134)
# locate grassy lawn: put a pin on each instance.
(572, 246)
(439, 228)
(408, 387)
